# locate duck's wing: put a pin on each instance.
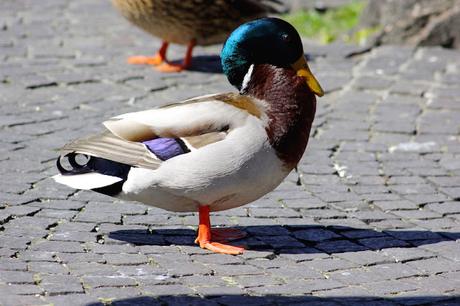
(111, 147)
(197, 122)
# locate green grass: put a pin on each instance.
(332, 25)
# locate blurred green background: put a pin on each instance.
(326, 26)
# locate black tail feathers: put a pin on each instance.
(82, 163)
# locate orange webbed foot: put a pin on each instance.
(205, 235)
(146, 60)
(155, 60)
(169, 67)
(221, 236)
(217, 247)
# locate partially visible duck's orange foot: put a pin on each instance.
(217, 247)
(146, 60)
(227, 234)
(204, 238)
(169, 67)
(155, 60)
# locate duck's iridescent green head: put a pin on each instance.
(265, 41)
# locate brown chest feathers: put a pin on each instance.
(291, 110)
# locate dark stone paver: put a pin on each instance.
(375, 221)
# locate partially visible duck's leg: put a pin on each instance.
(155, 60)
(204, 236)
(170, 67)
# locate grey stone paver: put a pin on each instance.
(375, 221)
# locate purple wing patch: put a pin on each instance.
(166, 148)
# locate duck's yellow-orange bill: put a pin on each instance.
(301, 66)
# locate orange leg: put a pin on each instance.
(155, 60)
(169, 67)
(204, 236)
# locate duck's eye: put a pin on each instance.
(286, 38)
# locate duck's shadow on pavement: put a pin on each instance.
(296, 239)
(206, 64)
(299, 300)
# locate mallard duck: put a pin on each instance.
(213, 152)
(189, 22)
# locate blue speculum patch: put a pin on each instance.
(166, 148)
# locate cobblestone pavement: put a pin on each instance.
(375, 220)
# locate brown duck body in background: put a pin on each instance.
(189, 22)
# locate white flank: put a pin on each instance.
(86, 181)
(226, 174)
